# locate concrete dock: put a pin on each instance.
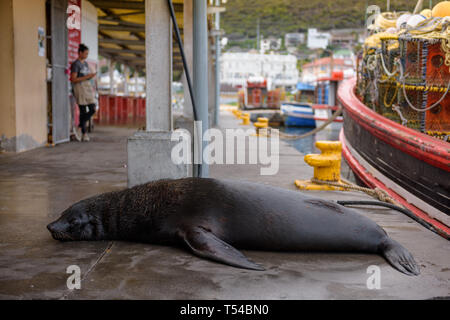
(36, 186)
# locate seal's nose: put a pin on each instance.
(50, 227)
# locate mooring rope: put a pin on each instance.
(309, 133)
(377, 193)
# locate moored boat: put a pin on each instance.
(302, 113)
(397, 119)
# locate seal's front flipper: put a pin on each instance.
(205, 244)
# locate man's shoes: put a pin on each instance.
(85, 138)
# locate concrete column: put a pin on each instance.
(188, 52)
(111, 77)
(158, 45)
(201, 69)
(149, 152)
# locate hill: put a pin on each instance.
(278, 17)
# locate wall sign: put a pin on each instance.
(74, 29)
(41, 42)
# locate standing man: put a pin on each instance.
(82, 89)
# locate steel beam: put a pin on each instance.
(135, 5)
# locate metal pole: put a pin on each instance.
(258, 45)
(111, 77)
(216, 115)
(201, 72)
(126, 91)
(331, 63)
(418, 6)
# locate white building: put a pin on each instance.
(279, 70)
(323, 68)
(318, 40)
(294, 39)
(270, 44)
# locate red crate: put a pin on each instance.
(135, 108)
(113, 109)
(141, 103)
(129, 102)
(103, 105)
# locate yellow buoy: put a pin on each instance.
(442, 9)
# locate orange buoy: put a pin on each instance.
(442, 9)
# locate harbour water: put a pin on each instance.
(307, 145)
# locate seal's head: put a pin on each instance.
(76, 224)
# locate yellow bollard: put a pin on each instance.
(261, 126)
(327, 166)
(238, 113)
(263, 120)
(245, 119)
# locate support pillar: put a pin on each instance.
(187, 44)
(217, 69)
(149, 151)
(111, 77)
(201, 69)
(136, 90)
(126, 90)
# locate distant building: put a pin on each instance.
(344, 54)
(322, 68)
(318, 40)
(294, 39)
(345, 37)
(279, 70)
(270, 44)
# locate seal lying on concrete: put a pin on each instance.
(213, 216)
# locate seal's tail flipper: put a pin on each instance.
(205, 244)
(400, 258)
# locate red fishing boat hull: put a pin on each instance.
(412, 167)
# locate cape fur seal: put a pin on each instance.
(212, 217)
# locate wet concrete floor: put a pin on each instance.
(36, 186)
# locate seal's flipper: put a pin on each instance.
(205, 244)
(400, 258)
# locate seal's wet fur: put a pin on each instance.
(212, 216)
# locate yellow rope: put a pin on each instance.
(388, 105)
(445, 46)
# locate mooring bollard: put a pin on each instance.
(245, 119)
(327, 166)
(261, 125)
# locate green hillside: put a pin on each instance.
(278, 17)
